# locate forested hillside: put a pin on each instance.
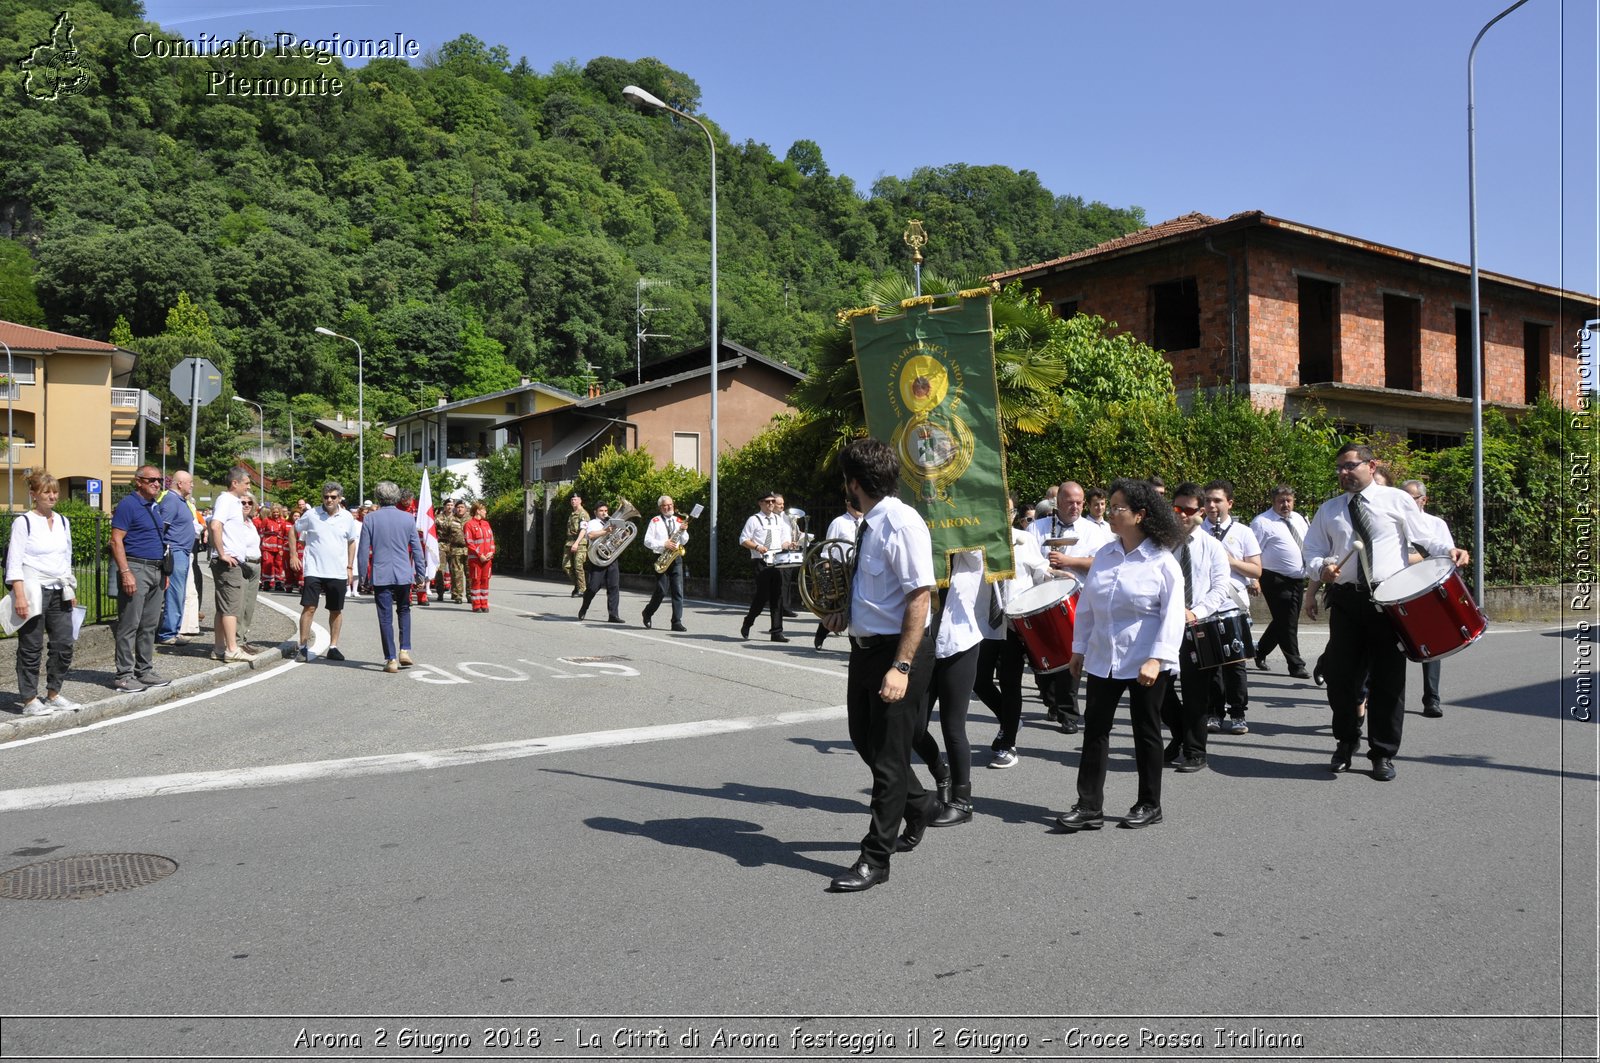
(469, 219)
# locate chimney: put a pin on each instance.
(443, 401)
(594, 389)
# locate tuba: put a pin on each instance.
(826, 575)
(620, 531)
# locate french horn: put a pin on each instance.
(825, 577)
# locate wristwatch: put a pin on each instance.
(903, 667)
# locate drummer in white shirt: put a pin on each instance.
(1441, 531)
(1076, 540)
(1000, 655)
(1206, 588)
(1230, 686)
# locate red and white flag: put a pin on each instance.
(426, 528)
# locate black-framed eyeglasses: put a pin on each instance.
(1349, 466)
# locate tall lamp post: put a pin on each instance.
(641, 98)
(1477, 333)
(11, 460)
(261, 453)
(361, 410)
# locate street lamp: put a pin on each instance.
(1477, 334)
(11, 460)
(261, 454)
(640, 98)
(361, 411)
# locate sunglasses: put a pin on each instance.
(1187, 511)
(149, 479)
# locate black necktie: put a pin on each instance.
(1186, 563)
(1217, 530)
(997, 610)
(1358, 519)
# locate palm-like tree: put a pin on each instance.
(1028, 374)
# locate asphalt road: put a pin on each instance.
(601, 832)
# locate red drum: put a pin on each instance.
(1042, 617)
(1431, 610)
(1219, 639)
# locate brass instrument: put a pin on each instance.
(619, 534)
(789, 558)
(674, 545)
(825, 577)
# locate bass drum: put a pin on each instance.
(1042, 616)
(1430, 609)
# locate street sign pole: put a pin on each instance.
(194, 408)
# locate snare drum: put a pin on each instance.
(1430, 609)
(1042, 617)
(1219, 639)
(788, 558)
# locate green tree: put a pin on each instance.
(17, 299)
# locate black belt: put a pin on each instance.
(872, 642)
(144, 560)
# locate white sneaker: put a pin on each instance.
(310, 654)
(233, 656)
(35, 707)
(61, 701)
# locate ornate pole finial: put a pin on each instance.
(916, 238)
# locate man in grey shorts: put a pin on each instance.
(236, 568)
(329, 533)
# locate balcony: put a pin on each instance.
(125, 397)
(124, 456)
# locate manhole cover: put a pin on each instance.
(72, 878)
(589, 660)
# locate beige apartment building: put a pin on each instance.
(70, 412)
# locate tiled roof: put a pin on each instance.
(1179, 226)
(22, 338)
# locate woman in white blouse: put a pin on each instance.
(1126, 637)
(43, 588)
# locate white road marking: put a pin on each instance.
(57, 796)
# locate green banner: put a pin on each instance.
(928, 385)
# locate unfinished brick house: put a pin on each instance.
(1302, 318)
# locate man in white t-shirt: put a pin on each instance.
(330, 534)
(236, 567)
(1230, 689)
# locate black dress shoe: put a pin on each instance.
(1341, 759)
(861, 876)
(1070, 722)
(1142, 816)
(778, 636)
(744, 629)
(1190, 764)
(615, 620)
(1300, 673)
(582, 613)
(1261, 663)
(1432, 710)
(574, 594)
(789, 614)
(679, 627)
(1080, 818)
(911, 837)
(1383, 769)
(646, 619)
(1317, 676)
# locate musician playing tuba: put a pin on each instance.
(666, 536)
(608, 575)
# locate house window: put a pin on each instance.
(686, 450)
(1535, 360)
(1464, 351)
(1319, 330)
(1067, 309)
(1402, 342)
(1175, 311)
(22, 370)
(1432, 441)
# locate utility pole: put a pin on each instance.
(639, 333)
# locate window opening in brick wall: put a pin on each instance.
(1319, 330)
(1433, 440)
(1535, 360)
(1067, 309)
(1175, 309)
(1402, 342)
(1464, 352)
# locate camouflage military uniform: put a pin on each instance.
(453, 552)
(571, 563)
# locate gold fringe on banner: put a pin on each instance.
(846, 316)
(973, 293)
(920, 300)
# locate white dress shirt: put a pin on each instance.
(1091, 536)
(844, 527)
(958, 626)
(769, 528)
(1437, 528)
(660, 530)
(1130, 610)
(1031, 568)
(1280, 553)
(1208, 575)
(894, 558)
(1389, 513)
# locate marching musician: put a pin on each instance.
(1356, 541)
(1230, 684)
(843, 527)
(766, 534)
(1282, 534)
(661, 530)
(595, 575)
(891, 655)
(1206, 585)
(570, 562)
(1430, 669)
(1000, 655)
(1126, 637)
(1084, 537)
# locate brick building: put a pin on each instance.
(1301, 318)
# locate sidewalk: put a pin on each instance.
(191, 668)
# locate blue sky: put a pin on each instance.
(1349, 116)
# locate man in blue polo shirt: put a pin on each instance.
(137, 547)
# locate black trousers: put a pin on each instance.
(881, 732)
(1284, 595)
(1185, 714)
(1430, 683)
(54, 619)
(769, 595)
(1059, 691)
(668, 583)
(951, 688)
(1144, 707)
(1364, 654)
(609, 578)
(1230, 688)
(998, 684)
